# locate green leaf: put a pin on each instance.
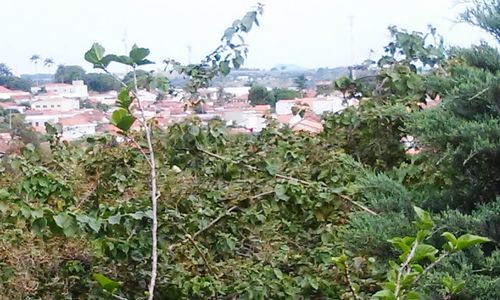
(67, 223)
(280, 192)
(141, 214)
(271, 168)
(194, 130)
(248, 21)
(238, 61)
(115, 219)
(124, 100)
(412, 295)
(384, 294)
(425, 251)
(4, 207)
(452, 241)
(425, 221)
(138, 55)
(38, 225)
(224, 68)
(122, 119)
(95, 55)
(228, 34)
(121, 59)
(106, 283)
(278, 273)
(469, 240)
(63, 220)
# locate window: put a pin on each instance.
(52, 106)
(58, 105)
(45, 106)
(36, 124)
(38, 106)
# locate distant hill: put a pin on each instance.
(288, 68)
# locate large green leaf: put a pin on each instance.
(248, 21)
(122, 119)
(138, 55)
(224, 68)
(63, 220)
(106, 283)
(124, 99)
(469, 240)
(121, 59)
(95, 55)
(425, 221)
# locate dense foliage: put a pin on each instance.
(346, 214)
(8, 80)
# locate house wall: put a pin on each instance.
(56, 104)
(74, 132)
(284, 107)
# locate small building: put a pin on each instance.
(77, 127)
(58, 104)
(6, 94)
(77, 89)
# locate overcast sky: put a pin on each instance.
(307, 33)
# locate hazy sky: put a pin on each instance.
(308, 33)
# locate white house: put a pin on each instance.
(316, 105)
(248, 119)
(37, 119)
(6, 93)
(77, 127)
(58, 104)
(77, 89)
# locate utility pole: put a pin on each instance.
(351, 46)
(189, 52)
(125, 45)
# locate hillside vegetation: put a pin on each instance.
(346, 214)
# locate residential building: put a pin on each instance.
(77, 127)
(6, 94)
(59, 104)
(77, 89)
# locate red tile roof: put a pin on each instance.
(4, 90)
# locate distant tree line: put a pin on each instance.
(8, 80)
(260, 95)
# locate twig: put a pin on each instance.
(154, 195)
(216, 220)
(118, 297)
(349, 281)
(290, 178)
(479, 94)
(140, 149)
(87, 195)
(357, 204)
(190, 238)
(432, 265)
(402, 269)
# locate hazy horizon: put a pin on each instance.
(309, 34)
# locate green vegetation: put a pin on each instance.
(193, 212)
(260, 95)
(66, 74)
(99, 82)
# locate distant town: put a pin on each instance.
(300, 98)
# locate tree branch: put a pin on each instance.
(290, 178)
(432, 265)
(403, 268)
(190, 238)
(349, 282)
(216, 220)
